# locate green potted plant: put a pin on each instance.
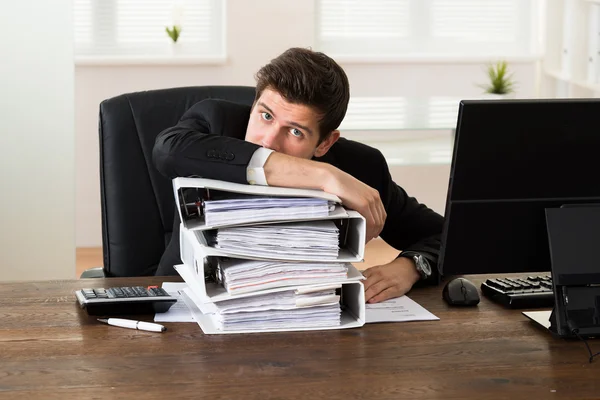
(173, 32)
(501, 83)
(174, 29)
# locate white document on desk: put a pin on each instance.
(400, 309)
(179, 312)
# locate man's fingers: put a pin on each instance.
(383, 216)
(378, 211)
(377, 226)
(371, 224)
(386, 294)
(372, 278)
(373, 230)
(375, 289)
(382, 213)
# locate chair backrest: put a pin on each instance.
(137, 201)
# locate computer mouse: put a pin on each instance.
(460, 292)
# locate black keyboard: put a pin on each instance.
(527, 292)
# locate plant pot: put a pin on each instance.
(176, 48)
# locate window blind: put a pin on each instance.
(358, 26)
(443, 111)
(375, 18)
(374, 113)
(394, 113)
(426, 27)
(114, 28)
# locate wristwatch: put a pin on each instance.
(422, 265)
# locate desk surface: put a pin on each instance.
(49, 348)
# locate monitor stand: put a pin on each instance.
(573, 230)
(543, 318)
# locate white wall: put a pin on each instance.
(427, 183)
(250, 44)
(37, 140)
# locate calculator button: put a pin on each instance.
(116, 292)
(101, 293)
(155, 291)
(140, 291)
(88, 293)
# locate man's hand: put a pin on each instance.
(360, 197)
(289, 171)
(390, 280)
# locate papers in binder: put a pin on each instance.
(310, 240)
(288, 309)
(264, 209)
(199, 243)
(213, 292)
(203, 304)
(268, 259)
(238, 204)
(244, 276)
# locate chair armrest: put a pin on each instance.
(97, 272)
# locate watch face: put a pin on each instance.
(422, 266)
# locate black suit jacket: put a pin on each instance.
(209, 142)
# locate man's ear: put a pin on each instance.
(326, 144)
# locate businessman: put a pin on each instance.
(289, 138)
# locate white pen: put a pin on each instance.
(131, 324)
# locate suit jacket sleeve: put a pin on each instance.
(410, 225)
(208, 142)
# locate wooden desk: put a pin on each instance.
(50, 349)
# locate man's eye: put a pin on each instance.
(296, 132)
(266, 116)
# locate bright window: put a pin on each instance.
(134, 28)
(380, 28)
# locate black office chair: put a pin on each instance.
(137, 201)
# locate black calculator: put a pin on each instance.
(125, 300)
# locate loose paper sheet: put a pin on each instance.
(400, 309)
(179, 312)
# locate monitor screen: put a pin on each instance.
(513, 159)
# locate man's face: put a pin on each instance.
(288, 128)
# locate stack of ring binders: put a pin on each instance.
(274, 259)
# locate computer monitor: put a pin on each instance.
(513, 159)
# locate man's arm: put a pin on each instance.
(283, 170)
(411, 227)
(207, 142)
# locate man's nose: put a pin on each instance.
(270, 140)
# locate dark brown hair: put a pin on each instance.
(311, 78)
